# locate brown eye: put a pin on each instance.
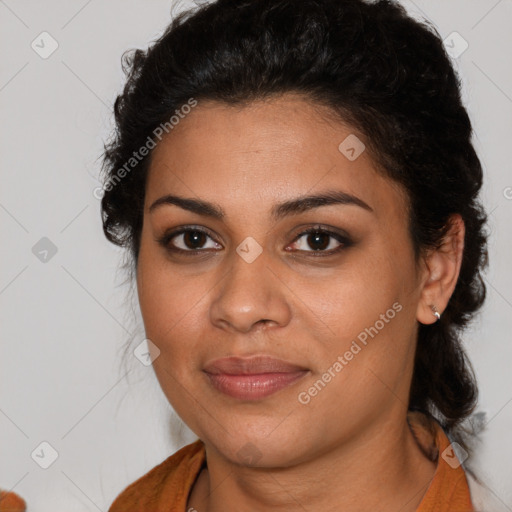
(321, 241)
(187, 240)
(194, 239)
(318, 241)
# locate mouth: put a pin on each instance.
(252, 378)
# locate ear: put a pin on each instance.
(442, 268)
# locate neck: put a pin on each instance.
(383, 469)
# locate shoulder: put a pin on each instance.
(172, 479)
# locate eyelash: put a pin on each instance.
(345, 242)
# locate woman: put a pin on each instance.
(296, 186)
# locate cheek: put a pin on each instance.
(358, 293)
(365, 369)
(369, 309)
(166, 299)
(172, 307)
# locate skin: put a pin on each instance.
(351, 443)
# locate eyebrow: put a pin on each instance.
(291, 207)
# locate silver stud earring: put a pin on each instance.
(436, 313)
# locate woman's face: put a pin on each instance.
(339, 306)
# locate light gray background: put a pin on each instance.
(65, 321)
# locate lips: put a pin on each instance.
(251, 366)
(252, 378)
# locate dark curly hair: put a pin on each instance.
(377, 69)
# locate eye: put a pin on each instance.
(190, 240)
(320, 240)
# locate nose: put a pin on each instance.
(251, 296)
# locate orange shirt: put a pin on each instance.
(11, 502)
(167, 486)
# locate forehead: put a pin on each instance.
(268, 151)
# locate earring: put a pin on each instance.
(436, 313)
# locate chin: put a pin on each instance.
(261, 445)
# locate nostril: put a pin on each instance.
(264, 322)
